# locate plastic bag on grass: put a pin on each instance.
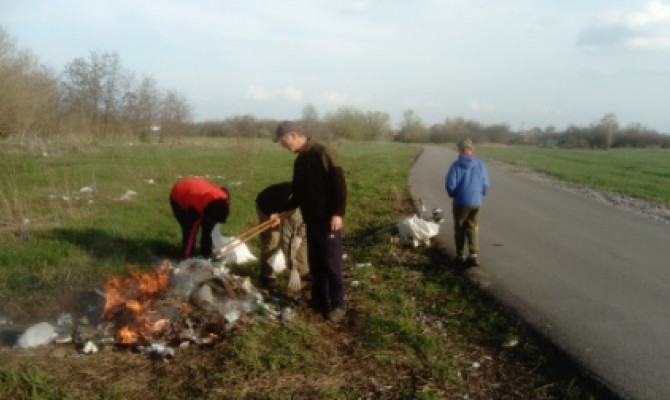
(37, 335)
(416, 230)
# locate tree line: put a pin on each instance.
(353, 124)
(93, 97)
(96, 98)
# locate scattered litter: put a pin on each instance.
(160, 350)
(231, 316)
(86, 189)
(437, 215)
(286, 314)
(37, 335)
(513, 342)
(63, 338)
(64, 319)
(277, 261)
(203, 296)
(128, 195)
(416, 230)
(150, 181)
(363, 264)
(89, 348)
(355, 284)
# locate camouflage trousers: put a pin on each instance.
(290, 236)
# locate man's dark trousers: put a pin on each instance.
(324, 249)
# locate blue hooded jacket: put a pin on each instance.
(467, 181)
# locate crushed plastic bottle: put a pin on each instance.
(286, 314)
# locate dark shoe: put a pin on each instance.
(459, 261)
(318, 307)
(473, 260)
(336, 314)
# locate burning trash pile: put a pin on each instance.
(195, 302)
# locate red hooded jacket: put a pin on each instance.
(196, 193)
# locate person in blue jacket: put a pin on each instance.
(467, 182)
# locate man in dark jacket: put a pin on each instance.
(196, 202)
(319, 189)
(467, 182)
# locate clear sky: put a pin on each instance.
(525, 63)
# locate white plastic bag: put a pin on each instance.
(277, 261)
(217, 239)
(416, 230)
(239, 255)
(37, 335)
(222, 245)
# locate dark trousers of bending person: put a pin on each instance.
(190, 220)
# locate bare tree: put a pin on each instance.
(143, 107)
(27, 91)
(94, 90)
(175, 114)
(309, 114)
(412, 128)
(610, 124)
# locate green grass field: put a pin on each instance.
(643, 173)
(415, 329)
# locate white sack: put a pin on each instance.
(277, 261)
(217, 239)
(222, 245)
(37, 335)
(416, 230)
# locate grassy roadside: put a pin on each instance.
(642, 173)
(416, 328)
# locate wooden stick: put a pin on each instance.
(250, 234)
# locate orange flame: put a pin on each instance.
(128, 299)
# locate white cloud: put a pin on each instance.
(259, 93)
(479, 106)
(336, 98)
(646, 29)
(293, 94)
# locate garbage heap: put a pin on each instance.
(194, 302)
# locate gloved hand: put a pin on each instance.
(294, 283)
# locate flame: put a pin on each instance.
(128, 300)
(127, 335)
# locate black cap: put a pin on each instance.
(285, 127)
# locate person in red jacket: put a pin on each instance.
(196, 202)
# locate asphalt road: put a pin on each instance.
(592, 278)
